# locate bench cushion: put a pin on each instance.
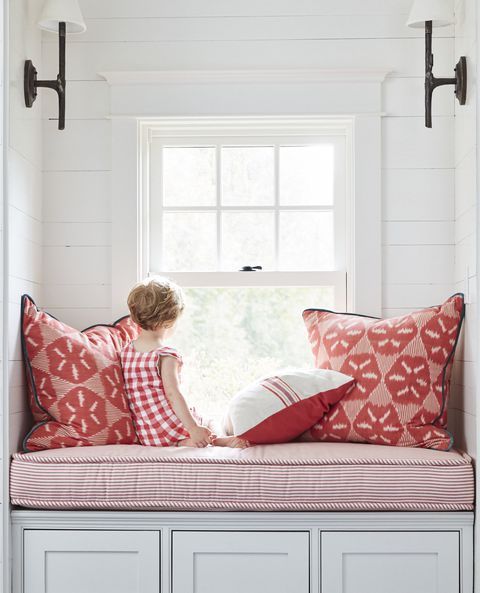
(283, 477)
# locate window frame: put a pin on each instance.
(364, 125)
(261, 132)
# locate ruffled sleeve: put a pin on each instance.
(168, 351)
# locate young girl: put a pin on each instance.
(152, 373)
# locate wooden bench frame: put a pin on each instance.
(384, 539)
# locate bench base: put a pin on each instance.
(215, 552)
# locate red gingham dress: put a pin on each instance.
(155, 421)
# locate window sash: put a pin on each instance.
(153, 183)
(337, 279)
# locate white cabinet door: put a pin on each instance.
(390, 562)
(240, 562)
(73, 561)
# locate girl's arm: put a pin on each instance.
(169, 367)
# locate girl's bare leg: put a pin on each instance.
(188, 443)
(234, 442)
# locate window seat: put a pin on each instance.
(289, 477)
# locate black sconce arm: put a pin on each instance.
(31, 84)
(431, 82)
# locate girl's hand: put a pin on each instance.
(201, 436)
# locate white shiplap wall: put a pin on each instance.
(4, 492)
(24, 196)
(23, 219)
(418, 176)
(463, 412)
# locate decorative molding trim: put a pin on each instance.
(369, 521)
(296, 76)
(246, 125)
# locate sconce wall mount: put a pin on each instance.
(431, 82)
(31, 82)
(60, 16)
(429, 14)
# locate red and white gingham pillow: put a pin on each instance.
(402, 368)
(76, 388)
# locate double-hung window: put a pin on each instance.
(251, 221)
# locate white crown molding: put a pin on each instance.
(243, 76)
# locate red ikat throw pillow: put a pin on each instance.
(278, 409)
(75, 382)
(402, 368)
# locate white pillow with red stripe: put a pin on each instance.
(278, 408)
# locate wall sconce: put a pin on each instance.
(62, 17)
(437, 13)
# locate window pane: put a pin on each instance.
(248, 175)
(248, 239)
(189, 176)
(306, 241)
(306, 175)
(189, 241)
(231, 336)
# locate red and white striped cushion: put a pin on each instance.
(277, 409)
(288, 477)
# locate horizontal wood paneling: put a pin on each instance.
(418, 233)
(465, 375)
(418, 194)
(77, 233)
(464, 381)
(465, 259)
(405, 97)
(76, 265)
(14, 345)
(467, 349)
(465, 183)
(83, 146)
(399, 55)
(20, 424)
(192, 8)
(326, 26)
(24, 185)
(88, 296)
(420, 264)
(463, 427)
(465, 224)
(96, 107)
(26, 259)
(81, 318)
(77, 196)
(19, 286)
(414, 296)
(465, 132)
(18, 399)
(407, 145)
(463, 399)
(24, 226)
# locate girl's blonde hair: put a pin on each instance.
(156, 302)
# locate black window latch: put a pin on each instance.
(250, 268)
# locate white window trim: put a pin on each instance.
(363, 207)
(151, 136)
(273, 131)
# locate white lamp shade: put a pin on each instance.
(62, 11)
(440, 12)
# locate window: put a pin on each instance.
(217, 200)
